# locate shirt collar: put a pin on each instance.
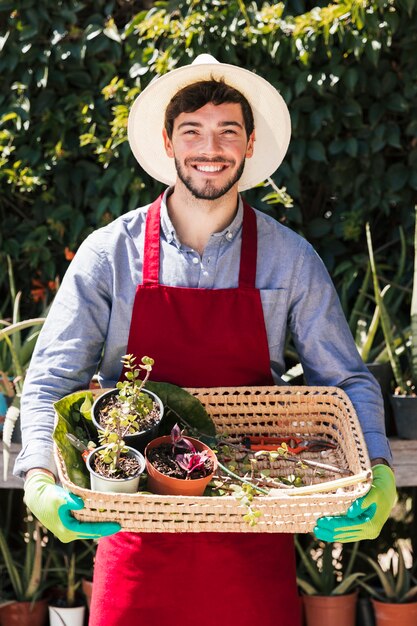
(168, 229)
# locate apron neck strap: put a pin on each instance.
(248, 254)
(151, 249)
(247, 273)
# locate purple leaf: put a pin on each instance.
(176, 433)
(179, 441)
(192, 461)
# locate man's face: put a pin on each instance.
(210, 146)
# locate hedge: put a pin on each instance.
(69, 71)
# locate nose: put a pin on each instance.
(211, 144)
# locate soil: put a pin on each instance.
(112, 402)
(129, 467)
(163, 460)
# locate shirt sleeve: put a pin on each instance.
(328, 352)
(67, 352)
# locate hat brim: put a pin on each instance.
(271, 117)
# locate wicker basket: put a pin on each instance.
(263, 411)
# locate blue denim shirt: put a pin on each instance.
(88, 324)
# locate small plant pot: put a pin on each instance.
(387, 614)
(405, 415)
(24, 613)
(60, 616)
(138, 440)
(115, 485)
(330, 610)
(166, 485)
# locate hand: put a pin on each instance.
(52, 505)
(365, 516)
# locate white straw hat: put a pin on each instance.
(271, 116)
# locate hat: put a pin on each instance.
(271, 116)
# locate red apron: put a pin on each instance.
(198, 338)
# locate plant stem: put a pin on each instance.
(240, 479)
(317, 464)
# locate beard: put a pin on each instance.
(209, 191)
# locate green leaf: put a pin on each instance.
(11, 568)
(351, 147)
(350, 78)
(68, 411)
(310, 566)
(411, 128)
(351, 108)
(316, 151)
(307, 587)
(180, 403)
(397, 176)
(347, 584)
(397, 103)
(337, 146)
(376, 112)
(393, 135)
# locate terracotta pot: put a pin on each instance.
(387, 614)
(338, 610)
(115, 485)
(139, 440)
(87, 586)
(24, 613)
(165, 485)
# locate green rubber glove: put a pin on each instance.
(365, 516)
(52, 505)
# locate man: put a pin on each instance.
(206, 286)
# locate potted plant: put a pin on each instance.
(404, 399)
(179, 465)
(66, 604)
(329, 594)
(395, 602)
(113, 466)
(24, 602)
(140, 409)
(15, 354)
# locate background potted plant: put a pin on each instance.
(401, 349)
(17, 341)
(329, 591)
(395, 600)
(23, 600)
(179, 465)
(67, 603)
(140, 409)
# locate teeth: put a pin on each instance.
(209, 168)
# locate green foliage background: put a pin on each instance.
(70, 69)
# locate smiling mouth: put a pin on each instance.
(209, 169)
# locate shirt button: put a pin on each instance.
(195, 260)
(229, 236)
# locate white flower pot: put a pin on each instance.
(60, 616)
(115, 485)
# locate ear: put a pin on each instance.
(251, 145)
(167, 144)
